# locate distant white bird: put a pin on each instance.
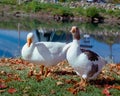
(44, 53)
(86, 63)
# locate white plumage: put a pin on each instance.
(86, 63)
(44, 53)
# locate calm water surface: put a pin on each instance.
(101, 38)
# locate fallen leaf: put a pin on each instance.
(106, 92)
(38, 77)
(17, 78)
(31, 73)
(2, 80)
(59, 83)
(118, 66)
(52, 92)
(71, 81)
(118, 73)
(2, 60)
(3, 73)
(72, 90)
(20, 68)
(3, 86)
(116, 87)
(1, 91)
(12, 90)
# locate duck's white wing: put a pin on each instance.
(51, 52)
(53, 47)
(42, 49)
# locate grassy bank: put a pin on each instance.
(86, 10)
(17, 79)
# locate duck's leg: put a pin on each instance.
(42, 69)
(46, 71)
(82, 83)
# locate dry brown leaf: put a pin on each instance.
(106, 92)
(118, 66)
(112, 65)
(31, 73)
(116, 87)
(59, 83)
(2, 60)
(12, 90)
(49, 74)
(71, 81)
(1, 91)
(2, 80)
(17, 78)
(38, 77)
(3, 72)
(52, 92)
(72, 90)
(3, 86)
(118, 73)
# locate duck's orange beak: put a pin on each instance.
(29, 41)
(73, 30)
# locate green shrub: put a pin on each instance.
(91, 12)
(117, 13)
(12, 2)
(62, 11)
(110, 12)
(79, 10)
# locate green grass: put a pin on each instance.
(15, 75)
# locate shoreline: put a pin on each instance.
(47, 16)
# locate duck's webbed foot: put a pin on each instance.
(42, 69)
(46, 72)
(81, 85)
(83, 82)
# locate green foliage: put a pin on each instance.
(59, 9)
(91, 12)
(79, 10)
(62, 11)
(110, 12)
(117, 13)
(114, 13)
(12, 2)
(116, 1)
(36, 6)
(115, 92)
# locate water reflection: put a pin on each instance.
(102, 39)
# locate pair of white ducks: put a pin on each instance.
(86, 63)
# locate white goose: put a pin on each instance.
(44, 53)
(86, 63)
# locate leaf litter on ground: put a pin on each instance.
(105, 80)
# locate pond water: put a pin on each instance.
(101, 38)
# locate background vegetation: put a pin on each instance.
(57, 8)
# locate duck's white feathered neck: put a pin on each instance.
(76, 41)
(74, 51)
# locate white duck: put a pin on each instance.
(86, 63)
(44, 53)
